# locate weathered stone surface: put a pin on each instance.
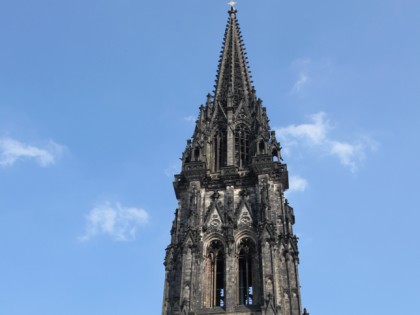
(233, 250)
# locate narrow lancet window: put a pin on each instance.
(219, 150)
(261, 147)
(215, 275)
(196, 154)
(242, 145)
(245, 276)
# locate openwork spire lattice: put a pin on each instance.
(233, 80)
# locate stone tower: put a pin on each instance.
(232, 250)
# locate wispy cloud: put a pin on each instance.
(317, 134)
(310, 73)
(297, 184)
(12, 150)
(314, 132)
(118, 222)
(301, 67)
(347, 153)
(300, 83)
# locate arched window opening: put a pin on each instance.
(275, 155)
(216, 275)
(219, 150)
(197, 153)
(245, 277)
(261, 147)
(242, 145)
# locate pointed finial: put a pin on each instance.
(232, 7)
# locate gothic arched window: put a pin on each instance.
(245, 272)
(215, 273)
(196, 154)
(242, 145)
(261, 147)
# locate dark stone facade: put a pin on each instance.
(233, 250)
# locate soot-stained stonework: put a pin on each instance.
(232, 250)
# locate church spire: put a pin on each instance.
(232, 247)
(233, 80)
(232, 129)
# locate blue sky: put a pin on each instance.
(97, 99)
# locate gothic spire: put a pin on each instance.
(233, 80)
(232, 250)
(232, 128)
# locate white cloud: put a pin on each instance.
(297, 184)
(302, 67)
(118, 222)
(317, 134)
(12, 150)
(347, 153)
(306, 71)
(300, 83)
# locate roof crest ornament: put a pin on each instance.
(232, 7)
